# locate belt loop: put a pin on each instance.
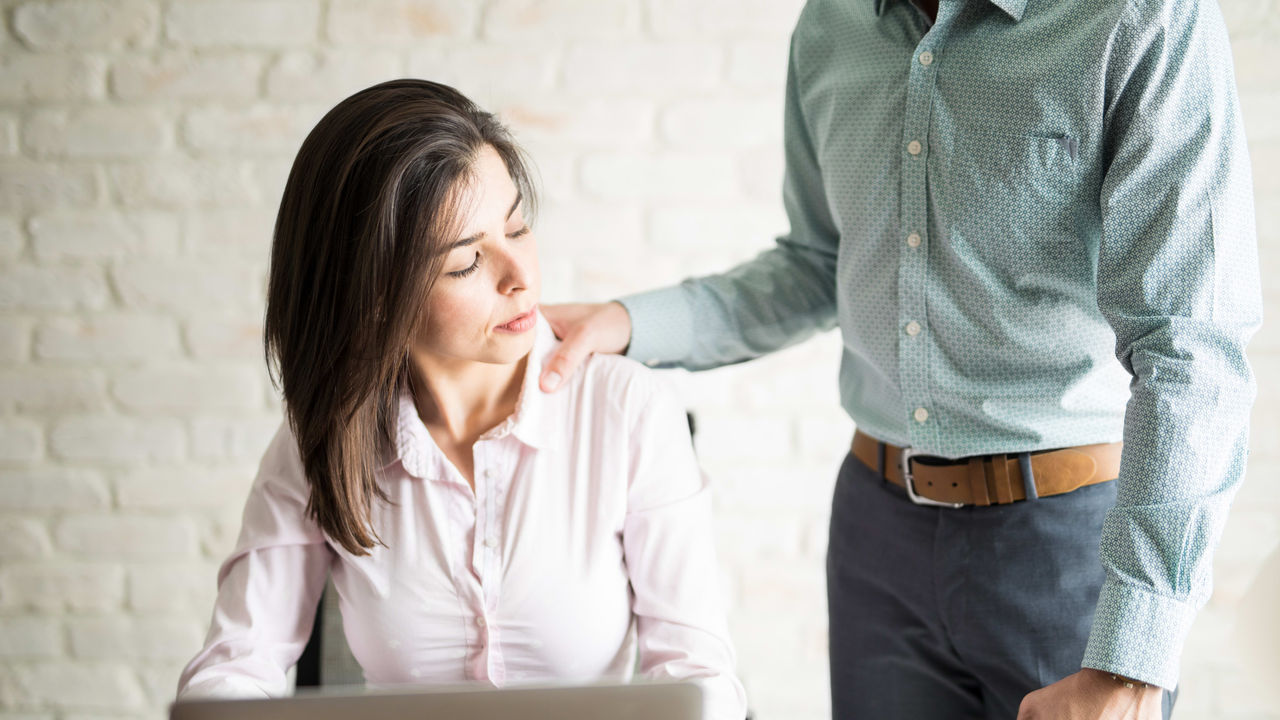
(1028, 479)
(978, 481)
(1000, 480)
(880, 450)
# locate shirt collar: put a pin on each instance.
(1013, 8)
(530, 423)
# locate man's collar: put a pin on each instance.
(1013, 8)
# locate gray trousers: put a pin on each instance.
(950, 614)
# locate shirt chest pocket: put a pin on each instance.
(1011, 197)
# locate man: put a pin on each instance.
(993, 199)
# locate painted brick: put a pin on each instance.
(188, 389)
(99, 132)
(760, 174)
(252, 131)
(248, 23)
(48, 587)
(565, 228)
(759, 65)
(519, 20)
(619, 175)
(51, 77)
(15, 340)
(99, 235)
(53, 389)
(231, 232)
(382, 22)
(117, 536)
(107, 338)
(8, 135)
(12, 241)
(718, 122)
(180, 76)
(21, 440)
(329, 76)
(22, 539)
(188, 285)
(87, 24)
(489, 74)
(173, 588)
(45, 489)
(730, 226)
(80, 686)
(712, 19)
(133, 638)
(177, 488)
(224, 338)
(30, 636)
(232, 439)
(574, 123)
(110, 439)
(649, 68)
(183, 184)
(27, 185)
(25, 287)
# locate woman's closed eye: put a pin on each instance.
(467, 271)
(475, 264)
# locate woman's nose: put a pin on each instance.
(517, 273)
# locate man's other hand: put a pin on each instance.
(1092, 695)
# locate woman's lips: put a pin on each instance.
(520, 323)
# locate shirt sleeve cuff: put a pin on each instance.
(661, 327)
(1138, 634)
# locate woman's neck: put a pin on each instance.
(459, 402)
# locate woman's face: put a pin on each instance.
(482, 307)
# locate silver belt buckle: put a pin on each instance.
(909, 481)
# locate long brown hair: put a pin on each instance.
(368, 211)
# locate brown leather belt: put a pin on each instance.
(988, 479)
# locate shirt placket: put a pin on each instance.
(489, 469)
(913, 266)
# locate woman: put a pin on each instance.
(476, 529)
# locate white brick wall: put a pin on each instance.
(143, 148)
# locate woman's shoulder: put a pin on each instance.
(619, 377)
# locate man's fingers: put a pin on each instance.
(564, 363)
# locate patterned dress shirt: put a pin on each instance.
(994, 209)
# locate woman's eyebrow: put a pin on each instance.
(480, 235)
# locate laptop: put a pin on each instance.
(636, 701)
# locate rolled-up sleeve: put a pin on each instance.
(1178, 282)
(267, 588)
(671, 561)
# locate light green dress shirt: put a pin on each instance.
(994, 209)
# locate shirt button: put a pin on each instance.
(913, 240)
(926, 58)
(914, 147)
(491, 542)
(913, 328)
(480, 621)
(920, 415)
(488, 474)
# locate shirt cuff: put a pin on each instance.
(1138, 634)
(661, 326)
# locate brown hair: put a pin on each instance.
(368, 212)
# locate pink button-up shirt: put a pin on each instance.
(585, 546)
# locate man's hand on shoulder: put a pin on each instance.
(1092, 695)
(583, 328)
